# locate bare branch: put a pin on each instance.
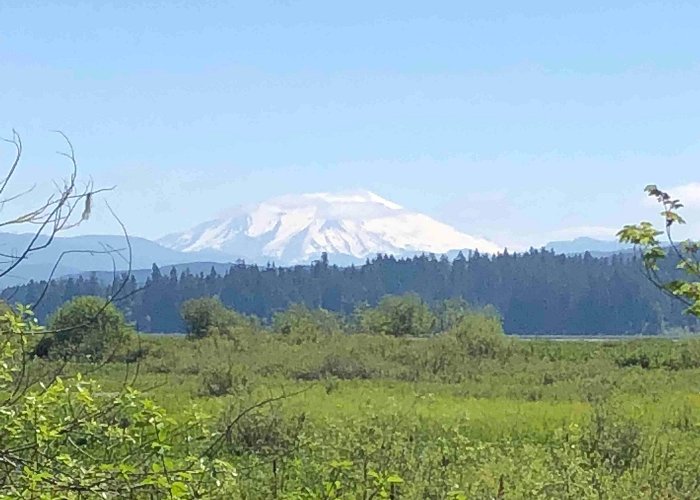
(16, 141)
(58, 213)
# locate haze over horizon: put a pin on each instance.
(519, 123)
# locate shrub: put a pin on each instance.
(267, 433)
(86, 327)
(67, 438)
(399, 316)
(301, 324)
(208, 316)
(226, 380)
(612, 440)
(451, 311)
(341, 366)
(480, 335)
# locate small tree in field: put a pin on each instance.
(399, 316)
(300, 324)
(480, 334)
(208, 316)
(645, 237)
(86, 327)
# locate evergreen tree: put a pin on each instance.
(534, 292)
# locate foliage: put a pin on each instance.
(86, 327)
(225, 380)
(480, 335)
(534, 292)
(399, 316)
(450, 312)
(300, 324)
(67, 438)
(207, 316)
(377, 415)
(343, 366)
(428, 418)
(685, 255)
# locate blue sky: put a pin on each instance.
(519, 121)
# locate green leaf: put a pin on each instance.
(178, 489)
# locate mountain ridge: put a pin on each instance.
(71, 255)
(294, 229)
(585, 244)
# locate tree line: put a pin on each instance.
(534, 292)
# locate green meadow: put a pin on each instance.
(370, 416)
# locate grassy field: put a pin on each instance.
(365, 416)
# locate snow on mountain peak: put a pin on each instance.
(298, 228)
(349, 200)
(359, 196)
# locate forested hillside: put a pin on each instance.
(535, 292)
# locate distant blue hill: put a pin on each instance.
(38, 265)
(585, 244)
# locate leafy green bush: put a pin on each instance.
(226, 380)
(66, 438)
(612, 440)
(339, 365)
(300, 324)
(399, 316)
(85, 328)
(264, 433)
(480, 335)
(208, 316)
(450, 312)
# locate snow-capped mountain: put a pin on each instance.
(347, 225)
